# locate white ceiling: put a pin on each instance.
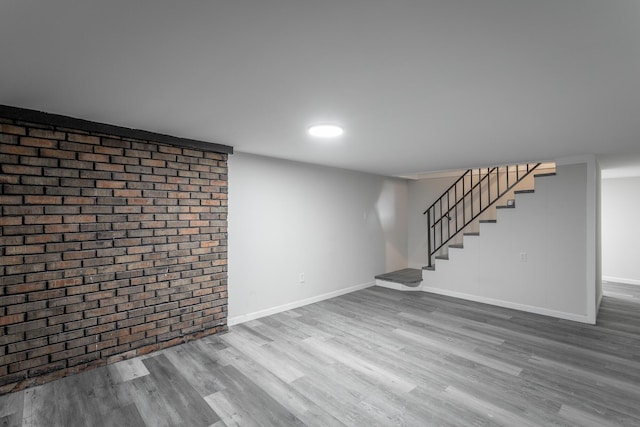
(419, 85)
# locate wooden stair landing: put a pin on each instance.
(406, 276)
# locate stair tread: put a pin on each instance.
(524, 191)
(545, 174)
(456, 246)
(471, 233)
(488, 221)
(442, 256)
(505, 207)
(406, 276)
(429, 268)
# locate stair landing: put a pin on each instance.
(406, 276)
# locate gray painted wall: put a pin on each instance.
(621, 229)
(340, 228)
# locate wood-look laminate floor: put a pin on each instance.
(376, 357)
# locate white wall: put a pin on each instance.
(340, 228)
(621, 230)
(556, 228)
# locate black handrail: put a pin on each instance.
(435, 220)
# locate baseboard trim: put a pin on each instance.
(295, 304)
(512, 305)
(621, 280)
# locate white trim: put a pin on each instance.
(591, 255)
(621, 280)
(397, 286)
(515, 306)
(598, 303)
(295, 304)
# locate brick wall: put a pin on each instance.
(110, 248)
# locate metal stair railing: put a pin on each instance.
(465, 200)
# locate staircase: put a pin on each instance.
(473, 199)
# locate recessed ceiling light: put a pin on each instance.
(325, 131)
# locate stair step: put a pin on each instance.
(488, 221)
(505, 207)
(471, 233)
(442, 256)
(406, 276)
(456, 246)
(524, 191)
(432, 268)
(545, 174)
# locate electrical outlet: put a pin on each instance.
(301, 278)
(523, 257)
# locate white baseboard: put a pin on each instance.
(295, 304)
(397, 286)
(621, 280)
(515, 306)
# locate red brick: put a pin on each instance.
(11, 129)
(108, 150)
(42, 219)
(25, 287)
(44, 295)
(20, 169)
(42, 238)
(10, 200)
(92, 157)
(11, 260)
(10, 319)
(109, 167)
(19, 150)
(70, 200)
(57, 154)
(45, 133)
(87, 139)
(42, 200)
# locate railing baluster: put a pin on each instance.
(455, 196)
(488, 186)
(464, 208)
(429, 237)
(480, 186)
(471, 195)
(449, 215)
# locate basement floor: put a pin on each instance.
(375, 357)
